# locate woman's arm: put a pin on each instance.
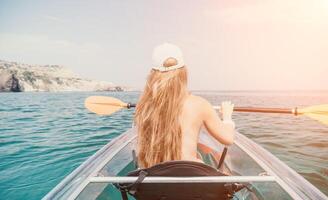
(224, 130)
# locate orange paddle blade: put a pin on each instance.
(103, 105)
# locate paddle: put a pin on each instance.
(103, 105)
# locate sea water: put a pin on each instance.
(45, 136)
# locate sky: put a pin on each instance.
(227, 44)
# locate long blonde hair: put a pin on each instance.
(157, 117)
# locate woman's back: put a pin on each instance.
(191, 123)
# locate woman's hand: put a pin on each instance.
(226, 110)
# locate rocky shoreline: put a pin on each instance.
(18, 77)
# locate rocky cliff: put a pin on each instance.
(17, 77)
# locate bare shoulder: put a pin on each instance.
(196, 109)
(198, 102)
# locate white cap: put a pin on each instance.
(164, 51)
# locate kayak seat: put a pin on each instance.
(219, 165)
(178, 191)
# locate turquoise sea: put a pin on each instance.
(45, 136)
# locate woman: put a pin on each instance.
(169, 118)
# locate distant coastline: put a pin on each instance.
(19, 77)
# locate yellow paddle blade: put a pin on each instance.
(321, 118)
(103, 105)
(318, 112)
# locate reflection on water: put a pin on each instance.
(44, 136)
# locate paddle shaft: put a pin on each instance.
(267, 110)
(251, 109)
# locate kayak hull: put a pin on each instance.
(245, 161)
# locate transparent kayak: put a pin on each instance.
(246, 162)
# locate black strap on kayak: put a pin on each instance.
(135, 159)
(124, 195)
(224, 153)
(236, 187)
(131, 188)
